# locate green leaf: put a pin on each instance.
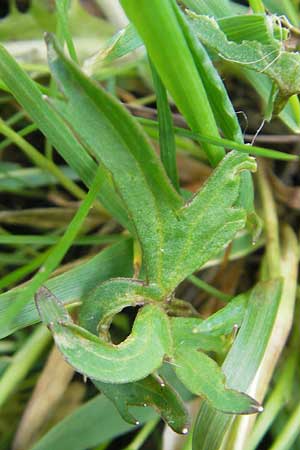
(202, 376)
(160, 217)
(188, 332)
(217, 8)
(73, 285)
(242, 361)
(135, 358)
(225, 320)
(148, 392)
(109, 298)
(166, 131)
(93, 423)
(281, 66)
(120, 45)
(157, 22)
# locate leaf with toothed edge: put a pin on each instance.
(150, 391)
(200, 228)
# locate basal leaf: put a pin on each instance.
(102, 124)
(148, 392)
(135, 358)
(167, 229)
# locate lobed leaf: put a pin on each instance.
(148, 392)
(202, 376)
(135, 358)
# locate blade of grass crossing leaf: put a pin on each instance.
(220, 103)
(166, 131)
(157, 24)
(56, 254)
(222, 142)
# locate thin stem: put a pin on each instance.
(22, 362)
(28, 239)
(39, 160)
(209, 289)
(142, 435)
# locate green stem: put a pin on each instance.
(142, 435)
(23, 361)
(221, 142)
(24, 132)
(209, 289)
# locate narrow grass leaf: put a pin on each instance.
(242, 361)
(166, 131)
(73, 285)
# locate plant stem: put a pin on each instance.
(209, 289)
(23, 361)
(142, 435)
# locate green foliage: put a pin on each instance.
(173, 232)
(271, 59)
